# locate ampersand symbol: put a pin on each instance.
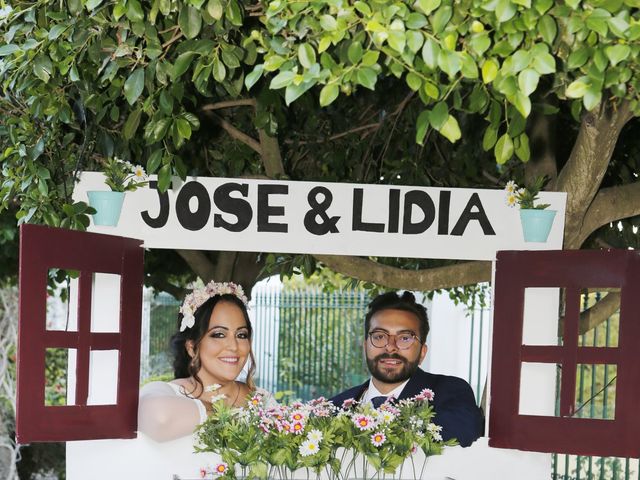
(319, 209)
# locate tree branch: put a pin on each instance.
(588, 162)
(238, 135)
(424, 280)
(242, 102)
(611, 204)
(596, 314)
(199, 263)
(224, 266)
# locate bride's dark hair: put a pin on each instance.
(186, 366)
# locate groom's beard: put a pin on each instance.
(380, 373)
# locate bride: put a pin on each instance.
(210, 350)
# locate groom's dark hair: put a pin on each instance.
(393, 301)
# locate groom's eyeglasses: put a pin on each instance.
(402, 340)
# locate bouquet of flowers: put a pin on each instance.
(525, 197)
(260, 442)
(122, 176)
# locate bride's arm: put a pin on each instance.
(163, 415)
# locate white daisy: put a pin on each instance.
(308, 447)
(315, 435)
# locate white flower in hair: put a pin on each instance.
(199, 296)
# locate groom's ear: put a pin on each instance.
(189, 346)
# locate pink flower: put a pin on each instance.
(220, 469)
(378, 438)
(364, 422)
(203, 472)
(427, 394)
(297, 427)
(297, 416)
(348, 403)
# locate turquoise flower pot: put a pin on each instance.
(108, 206)
(536, 224)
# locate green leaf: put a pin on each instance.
(522, 148)
(6, 50)
(576, 89)
(397, 40)
(219, 70)
(592, 97)
(182, 64)
(184, 128)
(451, 130)
(134, 85)
(415, 21)
(544, 63)
(328, 23)
(422, 124)
(42, 67)
(328, 94)
(548, 28)
(234, 13)
(449, 62)
(92, 4)
(281, 80)
(363, 8)
(273, 63)
(367, 77)
(579, 57)
(370, 58)
(414, 41)
(414, 81)
(164, 178)
(214, 9)
(489, 138)
(131, 125)
(134, 11)
(617, 53)
(428, 6)
(441, 18)
(505, 10)
(431, 90)
(489, 70)
(154, 161)
(354, 52)
(503, 150)
(522, 104)
(293, 91)
(439, 115)
(56, 31)
(190, 21)
(306, 55)
(528, 81)
(251, 79)
(430, 53)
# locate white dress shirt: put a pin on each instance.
(372, 392)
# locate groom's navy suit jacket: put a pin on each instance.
(454, 404)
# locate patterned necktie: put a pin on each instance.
(377, 401)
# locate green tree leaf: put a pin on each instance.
(328, 94)
(422, 125)
(255, 75)
(131, 125)
(489, 70)
(182, 64)
(451, 130)
(503, 150)
(282, 80)
(43, 67)
(134, 11)
(190, 21)
(576, 89)
(528, 81)
(367, 77)
(430, 53)
(134, 85)
(617, 53)
(414, 81)
(215, 9)
(328, 23)
(522, 148)
(306, 55)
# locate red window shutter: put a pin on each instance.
(573, 271)
(43, 248)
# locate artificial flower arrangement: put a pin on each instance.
(525, 197)
(122, 176)
(259, 442)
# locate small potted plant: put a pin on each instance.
(536, 220)
(120, 177)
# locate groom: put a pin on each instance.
(396, 330)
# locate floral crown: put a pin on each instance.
(196, 299)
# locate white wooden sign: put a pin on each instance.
(324, 218)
